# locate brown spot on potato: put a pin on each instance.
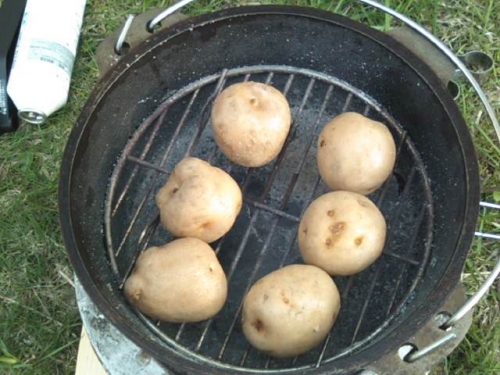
(328, 242)
(254, 102)
(258, 325)
(284, 298)
(136, 295)
(358, 241)
(331, 213)
(337, 228)
(304, 230)
(265, 297)
(175, 190)
(322, 143)
(205, 225)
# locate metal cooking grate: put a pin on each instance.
(264, 235)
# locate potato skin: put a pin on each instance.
(342, 233)
(181, 281)
(290, 310)
(355, 153)
(250, 123)
(199, 200)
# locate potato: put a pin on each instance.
(250, 122)
(199, 200)
(290, 311)
(181, 281)
(355, 153)
(342, 233)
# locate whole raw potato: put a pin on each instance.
(355, 153)
(181, 281)
(250, 122)
(342, 233)
(199, 200)
(290, 311)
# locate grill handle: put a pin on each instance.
(471, 302)
(155, 22)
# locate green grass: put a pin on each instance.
(39, 322)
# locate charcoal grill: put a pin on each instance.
(430, 201)
(264, 235)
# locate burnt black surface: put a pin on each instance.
(302, 38)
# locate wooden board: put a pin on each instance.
(87, 362)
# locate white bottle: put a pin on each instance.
(43, 60)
